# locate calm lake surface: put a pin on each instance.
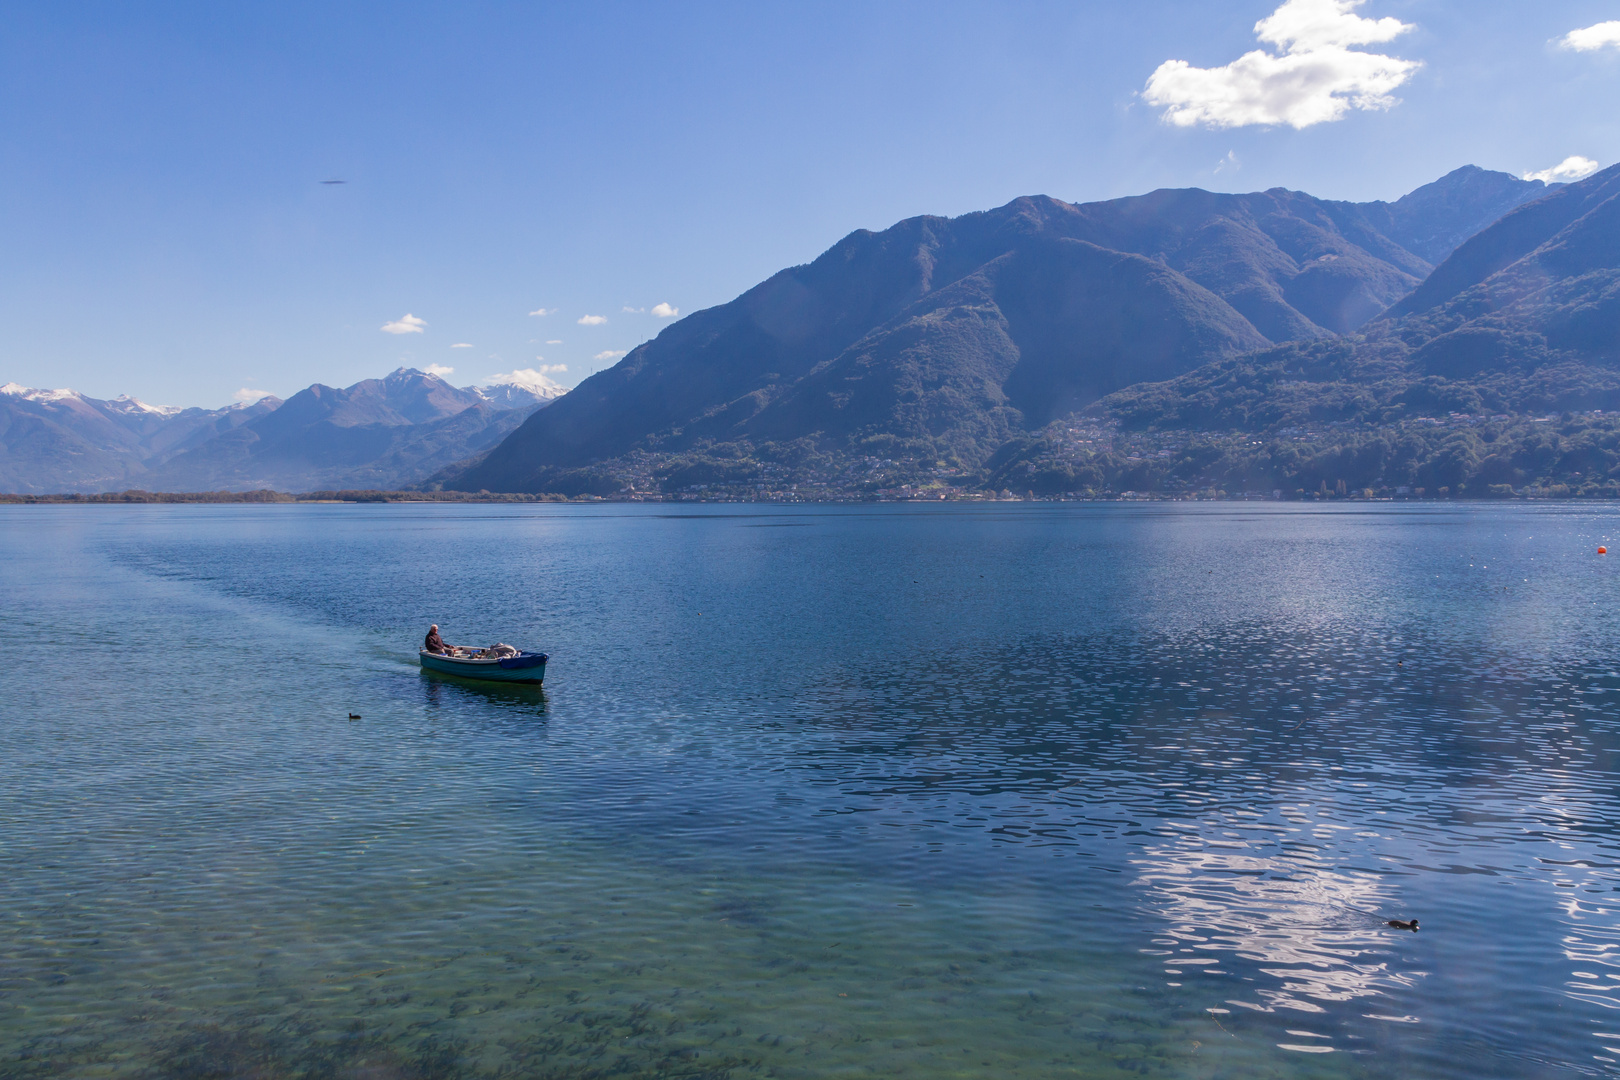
(1018, 790)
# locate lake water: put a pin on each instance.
(1016, 790)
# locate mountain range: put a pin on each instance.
(1499, 373)
(1463, 338)
(944, 340)
(378, 433)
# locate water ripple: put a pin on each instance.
(917, 791)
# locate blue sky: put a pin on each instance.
(167, 234)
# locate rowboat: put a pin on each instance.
(525, 667)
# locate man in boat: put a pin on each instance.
(435, 643)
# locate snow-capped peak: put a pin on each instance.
(519, 389)
(123, 403)
(28, 393)
(126, 404)
(431, 375)
(534, 381)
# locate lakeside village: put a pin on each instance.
(1460, 455)
(1565, 456)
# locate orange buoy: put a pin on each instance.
(1603, 551)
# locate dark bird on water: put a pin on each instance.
(334, 181)
(354, 716)
(1401, 924)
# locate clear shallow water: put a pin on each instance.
(1019, 790)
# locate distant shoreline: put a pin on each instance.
(356, 497)
(137, 497)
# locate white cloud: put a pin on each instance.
(592, 320)
(633, 310)
(461, 345)
(1605, 35)
(247, 395)
(410, 324)
(664, 311)
(440, 370)
(528, 377)
(547, 369)
(1229, 163)
(1573, 167)
(543, 311)
(555, 341)
(607, 354)
(1316, 79)
(1306, 25)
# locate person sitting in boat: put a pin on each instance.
(435, 643)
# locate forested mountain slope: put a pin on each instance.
(948, 337)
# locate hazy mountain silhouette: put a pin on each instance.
(378, 433)
(385, 432)
(61, 440)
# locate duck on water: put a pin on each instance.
(494, 663)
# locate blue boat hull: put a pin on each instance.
(529, 668)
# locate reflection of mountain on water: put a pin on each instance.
(1305, 926)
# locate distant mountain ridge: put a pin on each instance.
(1434, 219)
(385, 432)
(378, 433)
(1523, 317)
(1500, 373)
(61, 440)
(951, 336)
